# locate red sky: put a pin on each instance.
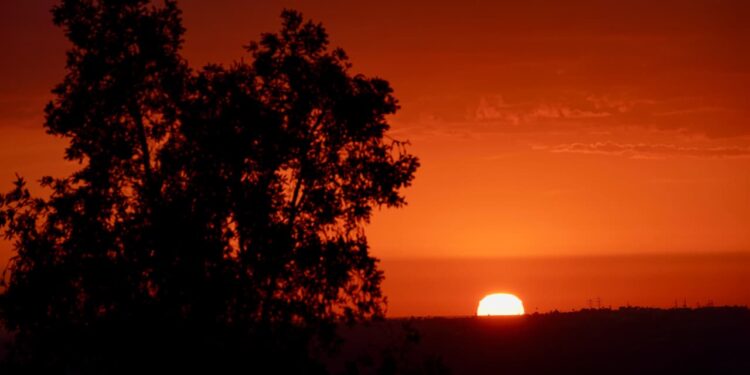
(574, 129)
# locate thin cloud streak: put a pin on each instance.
(650, 151)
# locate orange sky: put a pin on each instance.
(576, 129)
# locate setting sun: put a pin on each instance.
(500, 304)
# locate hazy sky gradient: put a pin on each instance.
(564, 129)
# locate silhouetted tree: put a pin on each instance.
(217, 217)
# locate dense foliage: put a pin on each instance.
(216, 212)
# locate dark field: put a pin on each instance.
(713, 340)
(624, 341)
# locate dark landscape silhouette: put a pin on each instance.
(627, 340)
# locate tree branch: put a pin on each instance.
(150, 188)
(296, 199)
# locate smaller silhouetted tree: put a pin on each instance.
(217, 217)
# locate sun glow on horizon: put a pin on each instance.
(500, 304)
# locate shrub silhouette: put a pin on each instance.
(217, 216)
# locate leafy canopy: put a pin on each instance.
(211, 200)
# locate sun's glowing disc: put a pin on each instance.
(500, 304)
